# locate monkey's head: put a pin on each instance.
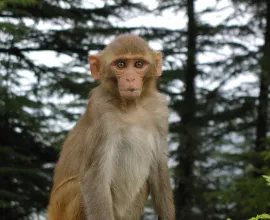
(127, 67)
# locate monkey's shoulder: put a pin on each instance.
(157, 105)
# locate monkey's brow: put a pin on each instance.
(131, 57)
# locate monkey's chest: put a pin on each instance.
(132, 161)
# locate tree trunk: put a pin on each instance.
(262, 110)
(188, 144)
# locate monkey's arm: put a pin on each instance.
(96, 192)
(161, 191)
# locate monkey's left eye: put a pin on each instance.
(139, 64)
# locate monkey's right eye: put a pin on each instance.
(120, 64)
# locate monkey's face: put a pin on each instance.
(127, 67)
(130, 71)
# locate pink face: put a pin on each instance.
(130, 71)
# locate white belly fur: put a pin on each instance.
(133, 155)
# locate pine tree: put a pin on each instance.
(39, 101)
(247, 193)
(222, 119)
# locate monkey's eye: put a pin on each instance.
(139, 64)
(120, 64)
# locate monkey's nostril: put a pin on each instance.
(130, 79)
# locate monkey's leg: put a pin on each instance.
(136, 209)
(66, 203)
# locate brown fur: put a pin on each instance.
(116, 154)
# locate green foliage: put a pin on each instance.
(258, 217)
(267, 179)
(262, 216)
(4, 3)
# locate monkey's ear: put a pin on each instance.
(94, 62)
(158, 59)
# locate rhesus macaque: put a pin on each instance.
(116, 154)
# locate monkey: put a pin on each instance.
(116, 154)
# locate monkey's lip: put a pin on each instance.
(130, 90)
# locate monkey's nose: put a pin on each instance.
(130, 79)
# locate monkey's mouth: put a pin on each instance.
(130, 90)
(130, 93)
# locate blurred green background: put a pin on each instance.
(216, 77)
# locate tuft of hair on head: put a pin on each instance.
(127, 44)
